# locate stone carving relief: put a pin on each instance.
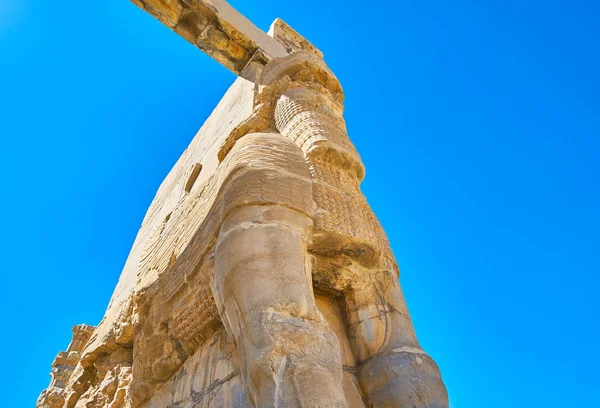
(263, 278)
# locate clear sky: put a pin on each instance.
(478, 123)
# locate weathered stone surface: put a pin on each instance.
(260, 275)
(216, 28)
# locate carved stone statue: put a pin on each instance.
(260, 276)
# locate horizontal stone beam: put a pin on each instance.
(216, 28)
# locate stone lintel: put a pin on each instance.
(291, 40)
(243, 30)
(216, 28)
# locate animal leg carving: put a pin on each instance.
(393, 370)
(289, 356)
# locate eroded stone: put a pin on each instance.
(260, 276)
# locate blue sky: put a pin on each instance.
(478, 123)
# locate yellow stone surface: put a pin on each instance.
(260, 276)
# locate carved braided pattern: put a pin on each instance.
(193, 324)
(342, 208)
(331, 173)
(269, 173)
(262, 186)
(261, 169)
(269, 151)
(345, 213)
(266, 168)
(308, 126)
